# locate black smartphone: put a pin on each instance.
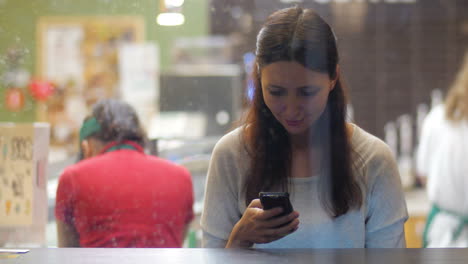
(271, 200)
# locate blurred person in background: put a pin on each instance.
(442, 165)
(343, 181)
(118, 196)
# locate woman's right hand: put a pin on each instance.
(261, 226)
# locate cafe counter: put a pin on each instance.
(235, 256)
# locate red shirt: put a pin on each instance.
(125, 198)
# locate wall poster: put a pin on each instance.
(80, 56)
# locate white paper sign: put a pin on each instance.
(64, 54)
(16, 175)
(139, 71)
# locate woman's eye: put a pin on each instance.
(308, 93)
(276, 93)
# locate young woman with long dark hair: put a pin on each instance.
(343, 181)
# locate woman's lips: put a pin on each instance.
(294, 123)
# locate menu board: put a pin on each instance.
(16, 175)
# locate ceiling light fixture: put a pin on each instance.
(170, 13)
(174, 3)
(170, 19)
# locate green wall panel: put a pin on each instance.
(18, 29)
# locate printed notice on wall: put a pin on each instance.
(16, 175)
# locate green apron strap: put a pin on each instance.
(430, 218)
(462, 222)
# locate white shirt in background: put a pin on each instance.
(442, 157)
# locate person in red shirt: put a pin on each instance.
(118, 196)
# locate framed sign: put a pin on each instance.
(16, 175)
(80, 56)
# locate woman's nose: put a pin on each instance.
(292, 106)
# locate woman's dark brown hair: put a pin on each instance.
(119, 122)
(299, 35)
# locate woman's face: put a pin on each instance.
(296, 96)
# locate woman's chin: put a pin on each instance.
(296, 131)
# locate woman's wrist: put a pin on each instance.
(235, 241)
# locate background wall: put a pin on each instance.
(392, 54)
(18, 29)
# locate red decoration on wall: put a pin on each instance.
(41, 90)
(14, 99)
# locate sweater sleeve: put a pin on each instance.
(221, 203)
(64, 203)
(386, 205)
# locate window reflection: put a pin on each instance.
(190, 82)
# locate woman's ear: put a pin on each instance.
(87, 149)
